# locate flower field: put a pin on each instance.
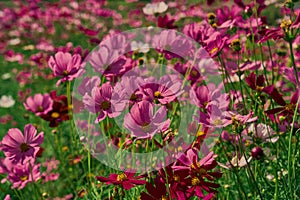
(150, 100)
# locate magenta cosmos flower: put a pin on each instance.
(39, 104)
(164, 91)
(126, 179)
(21, 174)
(17, 147)
(143, 123)
(66, 66)
(103, 102)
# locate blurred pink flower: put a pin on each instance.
(21, 174)
(39, 104)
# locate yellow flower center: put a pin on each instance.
(39, 109)
(176, 178)
(157, 94)
(214, 50)
(24, 178)
(55, 115)
(290, 107)
(259, 88)
(195, 181)
(218, 122)
(193, 166)
(211, 16)
(194, 73)
(65, 72)
(146, 127)
(121, 177)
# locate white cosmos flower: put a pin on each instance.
(152, 8)
(6, 101)
(139, 46)
(6, 76)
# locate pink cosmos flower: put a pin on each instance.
(107, 60)
(66, 66)
(87, 85)
(172, 45)
(164, 91)
(49, 175)
(262, 132)
(39, 104)
(21, 174)
(18, 147)
(103, 102)
(7, 197)
(143, 123)
(126, 179)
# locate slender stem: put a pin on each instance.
(290, 149)
(293, 61)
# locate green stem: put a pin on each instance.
(293, 61)
(290, 150)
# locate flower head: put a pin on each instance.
(143, 122)
(18, 147)
(103, 102)
(21, 174)
(6, 101)
(39, 104)
(126, 179)
(66, 66)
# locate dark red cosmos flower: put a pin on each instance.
(126, 179)
(59, 112)
(176, 180)
(285, 31)
(158, 191)
(200, 177)
(166, 22)
(285, 108)
(255, 83)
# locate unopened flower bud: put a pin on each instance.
(257, 153)
(285, 24)
(248, 11)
